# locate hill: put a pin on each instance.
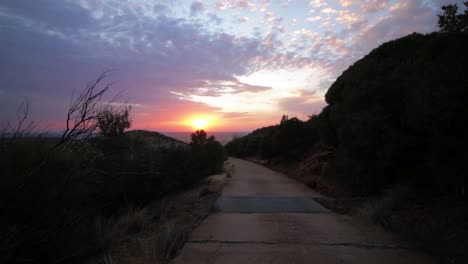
(155, 139)
(394, 128)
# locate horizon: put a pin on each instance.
(222, 65)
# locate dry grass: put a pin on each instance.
(156, 233)
(164, 246)
(136, 237)
(380, 210)
(113, 231)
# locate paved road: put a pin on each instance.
(265, 217)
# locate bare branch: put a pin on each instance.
(84, 111)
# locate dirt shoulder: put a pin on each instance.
(156, 233)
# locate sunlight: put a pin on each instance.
(199, 123)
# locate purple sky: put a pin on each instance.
(238, 64)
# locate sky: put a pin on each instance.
(226, 65)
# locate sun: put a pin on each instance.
(200, 123)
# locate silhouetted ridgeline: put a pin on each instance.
(157, 140)
(221, 137)
(397, 116)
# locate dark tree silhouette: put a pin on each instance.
(113, 122)
(198, 138)
(452, 22)
(207, 153)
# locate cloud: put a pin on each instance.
(414, 17)
(317, 3)
(152, 53)
(366, 6)
(243, 19)
(347, 17)
(313, 18)
(164, 52)
(253, 5)
(271, 19)
(302, 105)
(217, 88)
(215, 18)
(196, 8)
(236, 115)
(329, 10)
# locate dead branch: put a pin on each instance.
(84, 111)
(21, 128)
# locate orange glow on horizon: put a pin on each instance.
(199, 122)
(183, 119)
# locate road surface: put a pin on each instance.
(264, 217)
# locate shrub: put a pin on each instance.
(55, 189)
(396, 114)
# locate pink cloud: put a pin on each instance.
(252, 5)
(405, 17)
(302, 105)
(367, 6)
(317, 3)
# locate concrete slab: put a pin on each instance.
(251, 179)
(294, 254)
(282, 235)
(242, 204)
(285, 228)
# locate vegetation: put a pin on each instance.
(289, 138)
(395, 118)
(414, 91)
(57, 190)
(452, 22)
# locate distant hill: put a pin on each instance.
(157, 140)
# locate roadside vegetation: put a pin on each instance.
(393, 134)
(61, 197)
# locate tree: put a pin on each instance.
(113, 122)
(452, 22)
(198, 138)
(207, 153)
(284, 119)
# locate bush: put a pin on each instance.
(396, 114)
(55, 189)
(207, 154)
(289, 138)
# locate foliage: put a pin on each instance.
(111, 123)
(397, 113)
(452, 22)
(289, 137)
(54, 189)
(394, 116)
(208, 154)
